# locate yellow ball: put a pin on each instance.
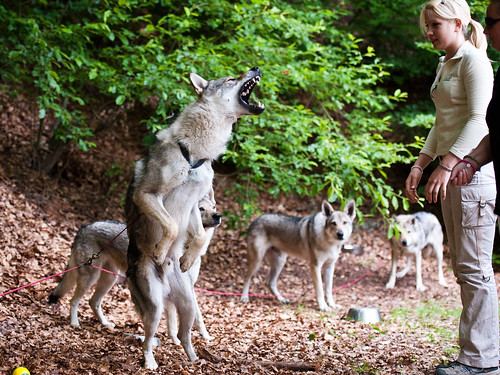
(21, 371)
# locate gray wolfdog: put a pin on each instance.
(89, 240)
(111, 237)
(316, 238)
(161, 203)
(420, 235)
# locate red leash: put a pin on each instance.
(36, 282)
(87, 263)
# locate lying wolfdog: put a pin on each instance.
(420, 235)
(316, 238)
(112, 239)
(161, 202)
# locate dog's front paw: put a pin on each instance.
(324, 307)
(149, 362)
(175, 340)
(421, 287)
(206, 336)
(108, 324)
(390, 285)
(283, 299)
(186, 262)
(334, 306)
(160, 258)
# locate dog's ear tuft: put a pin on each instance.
(198, 83)
(350, 209)
(327, 208)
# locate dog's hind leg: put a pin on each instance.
(147, 291)
(103, 286)
(277, 261)
(394, 265)
(171, 317)
(418, 265)
(438, 250)
(151, 308)
(151, 320)
(254, 259)
(183, 297)
(86, 279)
(200, 324)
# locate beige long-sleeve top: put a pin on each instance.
(461, 93)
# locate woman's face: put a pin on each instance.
(441, 33)
(492, 29)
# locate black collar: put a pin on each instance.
(185, 153)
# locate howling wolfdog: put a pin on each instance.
(162, 198)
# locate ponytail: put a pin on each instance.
(476, 36)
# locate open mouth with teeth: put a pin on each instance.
(245, 93)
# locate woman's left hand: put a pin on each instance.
(438, 180)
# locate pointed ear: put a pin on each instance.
(211, 195)
(198, 83)
(327, 208)
(350, 209)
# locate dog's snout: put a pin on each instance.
(340, 234)
(255, 69)
(216, 217)
(404, 242)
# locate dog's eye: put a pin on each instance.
(202, 209)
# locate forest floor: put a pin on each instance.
(40, 216)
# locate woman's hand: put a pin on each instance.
(412, 183)
(438, 180)
(461, 174)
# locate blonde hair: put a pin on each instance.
(456, 9)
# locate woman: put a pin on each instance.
(461, 92)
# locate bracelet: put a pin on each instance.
(418, 167)
(474, 160)
(469, 165)
(445, 167)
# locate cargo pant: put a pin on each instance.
(470, 227)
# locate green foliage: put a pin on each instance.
(326, 126)
(393, 27)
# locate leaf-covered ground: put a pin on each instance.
(39, 217)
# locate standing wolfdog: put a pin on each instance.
(109, 240)
(316, 238)
(161, 202)
(421, 234)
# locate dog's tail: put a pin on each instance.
(67, 283)
(64, 287)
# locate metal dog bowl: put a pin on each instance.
(364, 314)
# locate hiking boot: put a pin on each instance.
(457, 368)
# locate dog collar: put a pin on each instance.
(185, 153)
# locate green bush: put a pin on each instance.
(326, 126)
